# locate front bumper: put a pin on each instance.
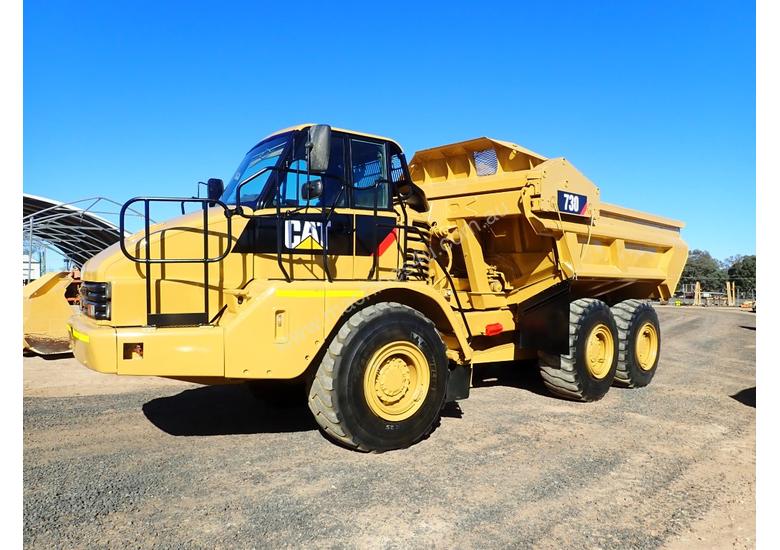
(93, 346)
(169, 351)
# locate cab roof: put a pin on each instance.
(353, 132)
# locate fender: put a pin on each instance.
(424, 299)
(277, 330)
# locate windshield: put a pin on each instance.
(265, 154)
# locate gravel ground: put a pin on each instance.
(116, 462)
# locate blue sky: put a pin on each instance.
(653, 101)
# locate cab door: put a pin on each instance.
(351, 223)
(376, 238)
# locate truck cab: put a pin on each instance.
(352, 194)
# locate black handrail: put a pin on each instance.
(147, 261)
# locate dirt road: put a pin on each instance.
(117, 462)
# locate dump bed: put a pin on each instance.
(537, 221)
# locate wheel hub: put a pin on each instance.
(646, 347)
(599, 351)
(392, 380)
(396, 381)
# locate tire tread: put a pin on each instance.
(625, 314)
(558, 371)
(322, 401)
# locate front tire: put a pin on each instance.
(382, 382)
(587, 371)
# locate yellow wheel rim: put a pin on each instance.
(599, 351)
(646, 348)
(396, 381)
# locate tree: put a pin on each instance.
(743, 273)
(702, 267)
(731, 260)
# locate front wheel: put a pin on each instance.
(382, 381)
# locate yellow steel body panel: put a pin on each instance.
(171, 351)
(93, 345)
(46, 312)
(280, 327)
(275, 331)
(177, 288)
(501, 351)
(478, 320)
(513, 212)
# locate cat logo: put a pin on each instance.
(304, 235)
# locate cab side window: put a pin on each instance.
(396, 169)
(334, 191)
(333, 179)
(369, 174)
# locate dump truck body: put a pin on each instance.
(473, 253)
(544, 220)
(514, 225)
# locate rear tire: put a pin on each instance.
(382, 382)
(639, 343)
(587, 371)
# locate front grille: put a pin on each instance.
(96, 300)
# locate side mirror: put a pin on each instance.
(311, 190)
(404, 190)
(215, 188)
(411, 194)
(318, 146)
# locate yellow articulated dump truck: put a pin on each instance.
(330, 262)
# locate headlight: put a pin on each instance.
(96, 300)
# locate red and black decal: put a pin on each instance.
(374, 234)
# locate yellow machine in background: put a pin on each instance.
(47, 304)
(378, 286)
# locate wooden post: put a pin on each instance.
(731, 293)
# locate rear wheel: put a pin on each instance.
(382, 381)
(587, 371)
(639, 343)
